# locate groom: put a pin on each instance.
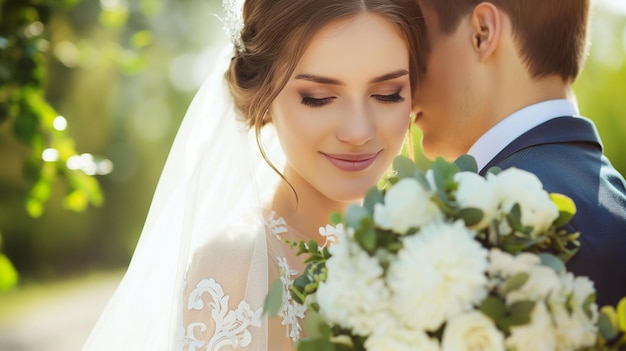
(498, 86)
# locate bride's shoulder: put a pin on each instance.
(239, 237)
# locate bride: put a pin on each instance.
(307, 111)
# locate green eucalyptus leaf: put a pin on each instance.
(354, 215)
(520, 312)
(404, 167)
(372, 197)
(366, 237)
(316, 327)
(494, 170)
(342, 347)
(467, 163)
(274, 299)
(443, 172)
(514, 282)
(335, 218)
(310, 344)
(607, 323)
(421, 178)
(493, 307)
(471, 216)
(552, 261)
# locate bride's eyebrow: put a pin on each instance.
(332, 81)
(389, 76)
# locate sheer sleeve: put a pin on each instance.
(224, 293)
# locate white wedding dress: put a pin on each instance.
(223, 310)
(210, 247)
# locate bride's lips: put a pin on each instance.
(352, 162)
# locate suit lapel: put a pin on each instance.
(555, 131)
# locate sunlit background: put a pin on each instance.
(119, 75)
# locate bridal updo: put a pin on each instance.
(277, 32)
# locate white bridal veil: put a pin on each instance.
(214, 175)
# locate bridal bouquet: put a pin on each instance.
(451, 260)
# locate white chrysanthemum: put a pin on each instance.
(504, 264)
(575, 329)
(538, 335)
(354, 294)
(513, 186)
(474, 192)
(472, 331)
(542, 280)
(395, 338)
(407, 205)
(438, 274)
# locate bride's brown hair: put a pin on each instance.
(277, 32)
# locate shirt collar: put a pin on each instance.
(516, 124)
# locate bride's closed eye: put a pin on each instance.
(319, 102)
(391, 98)
(316, 102)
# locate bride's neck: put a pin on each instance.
(309, 212)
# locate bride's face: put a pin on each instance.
(343, 115)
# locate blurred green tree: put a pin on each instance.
(33, 120)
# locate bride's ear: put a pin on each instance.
(486, 25)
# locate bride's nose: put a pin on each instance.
(357, 127)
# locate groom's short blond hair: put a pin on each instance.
(552, 34)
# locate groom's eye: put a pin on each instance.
(316, 102)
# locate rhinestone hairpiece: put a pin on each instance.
(232, 22)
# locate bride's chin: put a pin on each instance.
(349, 196)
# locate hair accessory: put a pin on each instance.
(233, 22)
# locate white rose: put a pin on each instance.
(395, 338)
(439, 273)
(538, 335)
(472, 331)
(513, 186)
(407, 205)
(474, 192)
(354, 294)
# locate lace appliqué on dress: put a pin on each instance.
(276, 225)
(291, 311)
(231, 327)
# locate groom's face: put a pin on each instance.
(446, 93)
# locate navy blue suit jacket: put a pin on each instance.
(566, 154)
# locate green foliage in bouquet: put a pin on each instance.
(445, 259)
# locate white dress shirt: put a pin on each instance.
(513, 126)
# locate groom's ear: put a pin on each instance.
(486, 24)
